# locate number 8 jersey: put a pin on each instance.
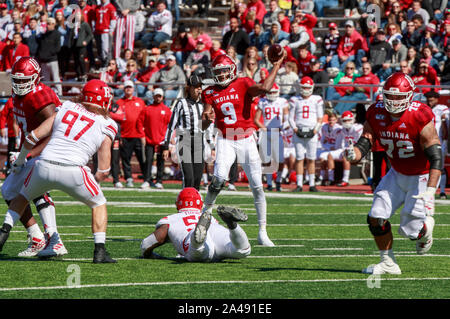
(77, 135)
(400, 139)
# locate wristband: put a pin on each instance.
(103, 170)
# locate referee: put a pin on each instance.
(186, 121)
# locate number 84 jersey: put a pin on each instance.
(401, 138)
(77, 135)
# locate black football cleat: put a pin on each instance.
(4, 234)
(313, 189)
(101, 256)
(298, 189)
(231, 215)
(278, 187)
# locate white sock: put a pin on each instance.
(387, 256)
(239, 238)
(205, 178)
(48, 218)
(259, 199)
(312, 180)
(299, 180)
(345, 175)
(34, 231)
(285, 172)
(11, 217)
(99, 238)
(331, 175)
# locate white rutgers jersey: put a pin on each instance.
(304, 112)
(77, 135)
(180, 225)
(288, 137)
(353, 133)
(440, 111)
(272, 111)
(329, 136)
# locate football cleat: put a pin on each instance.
(443, 195)
(231, 215)
(55, 247)
(264, 240)
(201, 230)
(101, 256)
(298, 189)
(342, 184)
(382, 268)
(35, 245)
(313, 189)
(269, 188)
(145, 185)
(3, 237)
(118, 185)
(231, 187)
(278, 187)
(130, 182)
(423, 245)
(159, 186)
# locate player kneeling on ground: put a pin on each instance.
(406, 131)
(78, 131)
(199, 237)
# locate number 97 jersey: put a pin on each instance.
(232, 106)
(400, 139)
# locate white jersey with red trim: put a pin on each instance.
(304, 112)
(329, 135)
(353, 133)
(288, 137)
(272, 111)
(441, 115)
(77, 135)
(180, 225)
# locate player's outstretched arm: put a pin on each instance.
(154, 240)
(104, 160)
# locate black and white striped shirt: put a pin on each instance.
(186, 119)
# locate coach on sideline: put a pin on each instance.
(187, 121)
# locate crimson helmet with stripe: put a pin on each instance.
(189, 198)
(97, 92)
(25, 75)
(398, 91)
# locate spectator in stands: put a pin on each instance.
(203, 8)
(161, 20)
(64, 54)
(264, 62)
(379, 51)
(5, 17)
(112, 73)
(288, 77)
(126, 21)
(271, 15)
(393, 32)
(145, 75)
(170, 73)
(397, 15)
(182, 44)
(392, 65)
(122, 61)
(349, 76)
(319, 6)
(416, 9)
(14, 51)
(216, 50)
(412, 58)
(430, 38)
(257, 37)
(359, 92)
(80, 35)
(16, 28)
(446, 71)
(259, 8)
(405, 68)
(330, 43)
(251, 52)
(105, 24)
(31, 34)
(308, 21)
(132, 137)
(139, 27)
(411, 36)
(63, 7)
(198, 60)
(130, 74)
(32, 12)
(425, 75)
(231, 51)
(236, 37)
(419, 23)
(304, 60)
(427, 55)
(248, 21)
(284, 21)
(297, 37)
(444, 40)
(115, 149)
(142, 59)
(352, 46)
(9, 130)
(198, 33)
(351, 8)
(154, 120)
(319, 76)
(252, 70)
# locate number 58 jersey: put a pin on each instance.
(400, 139)
(77, 135)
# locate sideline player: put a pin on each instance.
(180, 229)
(441, 115)
(407, 133)
(229, 102)
(305, 118)
(78, 131)
(275, 111)
(33, 103)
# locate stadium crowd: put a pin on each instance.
(147, 56)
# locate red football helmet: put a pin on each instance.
(274, 93)
(25, 75)
(306, 86)
(398, 91)
(97, 92)
(189, 198)
(224, 70)
(347, 119)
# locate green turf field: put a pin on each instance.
(322, 245)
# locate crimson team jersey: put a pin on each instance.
(232, 106)
(26, 107)
(104, 14)
(401, 139)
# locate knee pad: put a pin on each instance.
(216, 184)
(43, 201)
(383, 227)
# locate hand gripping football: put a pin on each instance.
(275, 53)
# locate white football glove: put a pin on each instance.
(13, 156)
(428, 200)
(16, 163)
(349, 152)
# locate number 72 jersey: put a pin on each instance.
(400, 139)
(77, 135)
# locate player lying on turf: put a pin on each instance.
(78, 131)
(199, 237)
(406, 131)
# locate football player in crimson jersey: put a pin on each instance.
(229, 103)
(77, 131)
(406, 131)
(33, 103)
(182, 230)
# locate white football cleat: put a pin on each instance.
(264, 240)
(159, 186)
(382, 268)
(54, 248)
(130, 183)
(35, 245)
(145, 185)
(118, 185)
(201, 230)
(423, 245)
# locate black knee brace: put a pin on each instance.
(383, 227)
(43, 201)
(216, 185)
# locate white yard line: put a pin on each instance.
(337, 249)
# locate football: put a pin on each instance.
(275, 53)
